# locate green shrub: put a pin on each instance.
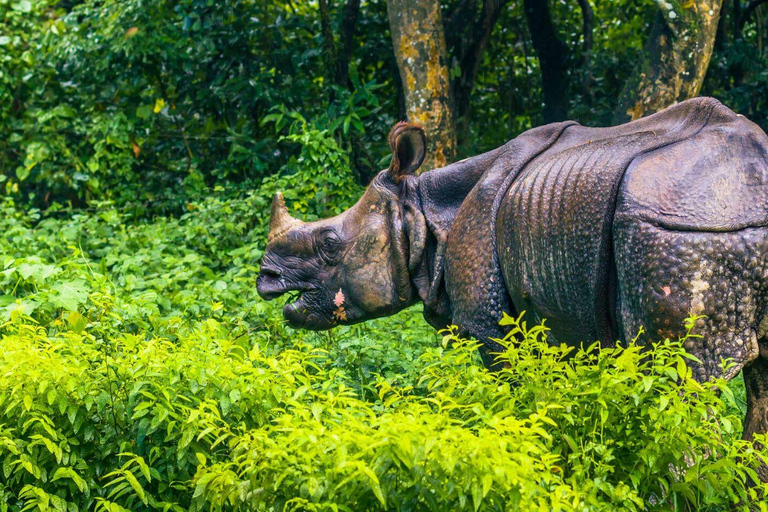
(138, 369)
(153, 103)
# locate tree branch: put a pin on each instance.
(587, 17)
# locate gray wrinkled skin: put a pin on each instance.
(352, 267)
(599, 230)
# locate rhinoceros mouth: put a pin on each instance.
(308, 311)
(271, 285)
(303, 308)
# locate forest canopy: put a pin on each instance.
(149, 103)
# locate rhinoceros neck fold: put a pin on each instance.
(438, 195)
(460, 203)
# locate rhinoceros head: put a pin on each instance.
(354, 266)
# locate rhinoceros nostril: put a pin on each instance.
(271, 272)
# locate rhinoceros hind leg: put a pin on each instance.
(665, 276)
(756, 421)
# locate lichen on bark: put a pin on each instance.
(675, 58)
(419, 45)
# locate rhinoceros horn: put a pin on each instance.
(280, 221)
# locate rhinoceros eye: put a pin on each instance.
(329, 246)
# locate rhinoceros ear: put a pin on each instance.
(409, 147)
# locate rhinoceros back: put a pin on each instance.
(554, 224)
(715, 181)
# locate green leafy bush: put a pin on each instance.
(139, 370)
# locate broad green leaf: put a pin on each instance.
(69, 295)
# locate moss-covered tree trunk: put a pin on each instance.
(675, 59)
(419, 44)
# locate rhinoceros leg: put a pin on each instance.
(756, 422)
(665, 276)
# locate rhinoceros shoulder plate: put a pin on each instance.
(473, 276)
(716, 181)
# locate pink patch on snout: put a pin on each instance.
(339, 315)
(667, 291)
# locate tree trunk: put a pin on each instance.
(419, 44)
(337, 59)
(675, 59)
(467, 36)
(587, 21)
(552, 53)
(329, 45)
(347, 29)
(721, 37)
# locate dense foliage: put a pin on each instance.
(150, 103)
(140, 144)
(139, 369)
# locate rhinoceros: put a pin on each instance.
(601, 231)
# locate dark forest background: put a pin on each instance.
(153, 103)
